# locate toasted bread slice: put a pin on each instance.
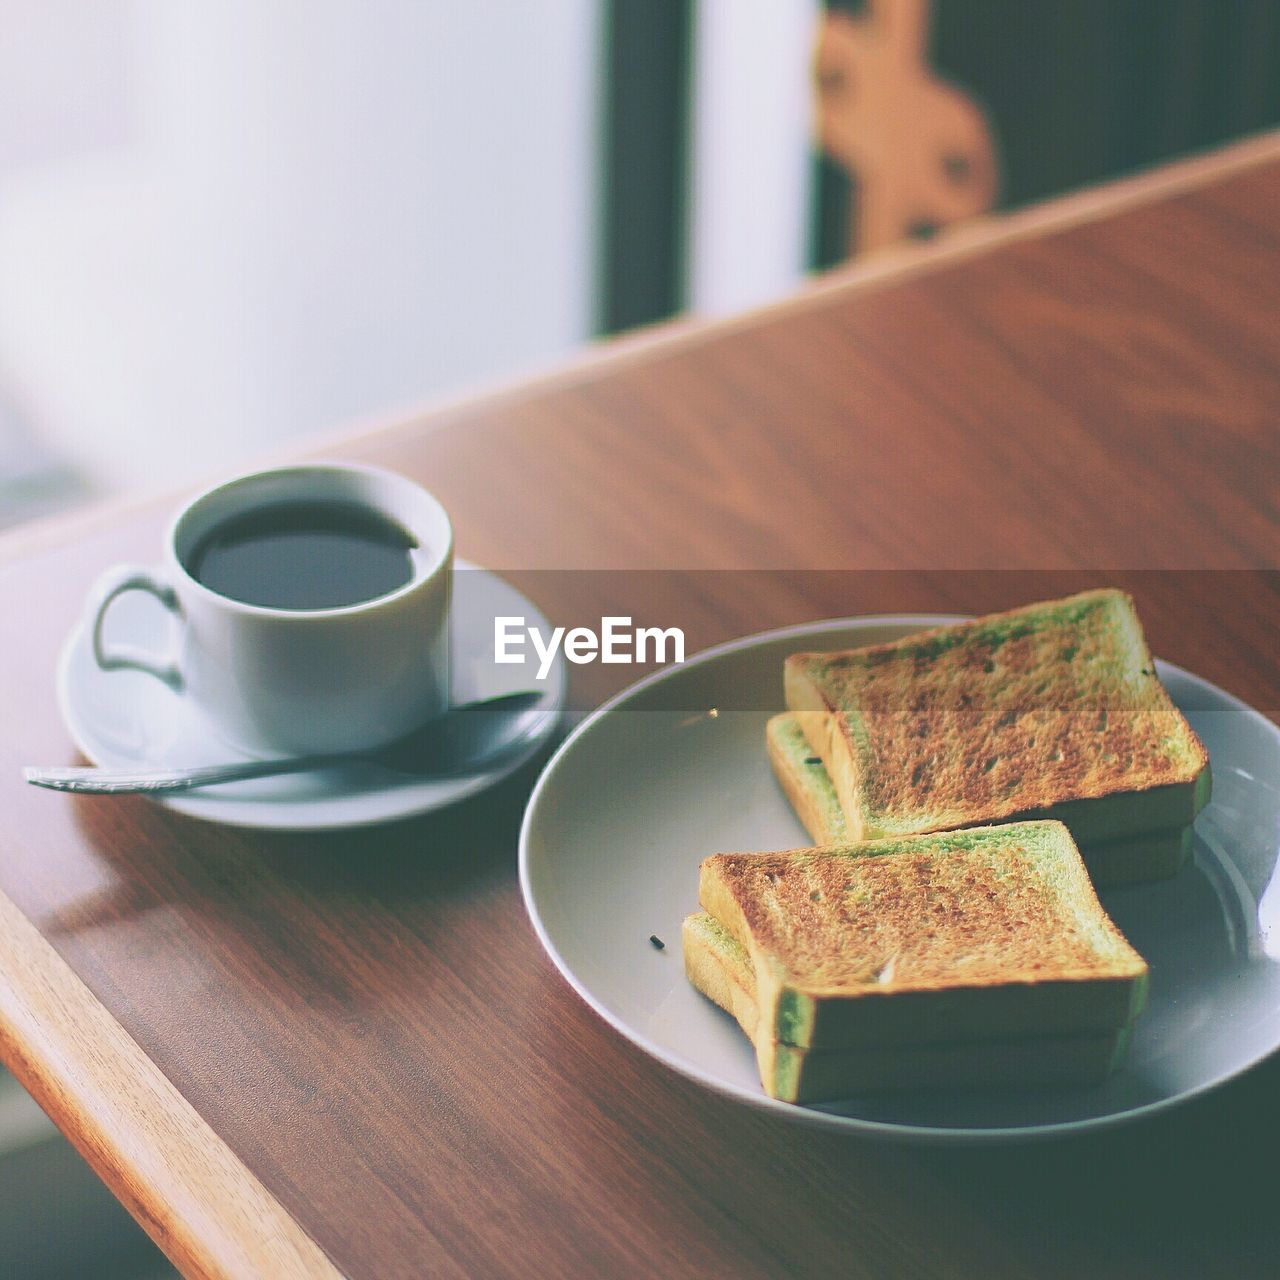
(989, 933)
(720, 968)
(1052, 710)
(1155, 855)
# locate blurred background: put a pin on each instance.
(230, 226)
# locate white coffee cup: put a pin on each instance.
(299, 681)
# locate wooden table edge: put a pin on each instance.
(965, 240)
(193, 1196)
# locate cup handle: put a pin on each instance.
(115, 582)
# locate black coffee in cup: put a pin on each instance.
(304, 555)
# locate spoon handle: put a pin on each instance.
(87, 780)
(471, 736)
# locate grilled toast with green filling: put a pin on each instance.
(1154, 855)
(721, 969)
(1052, 710)
(988, 933)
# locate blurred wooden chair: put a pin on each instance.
(918, 150)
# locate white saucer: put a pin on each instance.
(123, 719)
(675, 769)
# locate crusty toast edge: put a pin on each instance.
(806, 786)
(718, 968)
(1136, 859)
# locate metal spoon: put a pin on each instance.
(463, 740)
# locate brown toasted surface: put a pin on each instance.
(1007, 714)
(969, 908)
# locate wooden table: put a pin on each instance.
(294, 1054)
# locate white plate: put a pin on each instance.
(651, 784)
(123, 719)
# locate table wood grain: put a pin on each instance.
(296, 1054)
